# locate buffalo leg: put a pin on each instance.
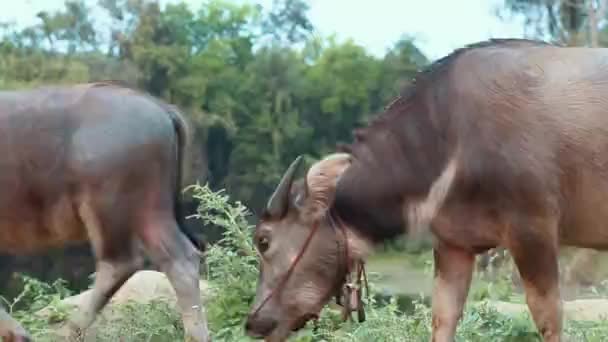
(110, 276)
(177, 257)
(115, 252)
(10, 329)
(453, 273)
(535, 252)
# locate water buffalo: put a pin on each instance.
(101, 163)
(500, 143)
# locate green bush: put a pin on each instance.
(231, 263)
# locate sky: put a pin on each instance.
(439, 26)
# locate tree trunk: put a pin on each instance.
(595, 12)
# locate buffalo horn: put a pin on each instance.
(278, 201)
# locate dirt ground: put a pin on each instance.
(579, 310)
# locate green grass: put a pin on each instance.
(396, 274)
(232, 274)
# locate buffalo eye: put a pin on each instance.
(263, 244)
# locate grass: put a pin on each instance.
(231, 271)
(397, 274)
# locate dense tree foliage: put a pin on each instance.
(258, 87)
(569, 22)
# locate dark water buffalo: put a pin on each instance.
(101, 163)
(502, 143)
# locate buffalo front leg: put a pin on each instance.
(177, 257)
(535, 253)
(453, 272)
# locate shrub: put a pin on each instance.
(231, 263)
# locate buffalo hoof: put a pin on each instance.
(14, 337)
(204, 338)
(70, 332)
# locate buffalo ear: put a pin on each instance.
(279, 201)
(298, 195)
(321, 181)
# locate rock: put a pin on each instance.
(143, 287)
(587, 309)
(508, 308)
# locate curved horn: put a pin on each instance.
(278, 201)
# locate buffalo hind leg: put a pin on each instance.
(535, 252)
(109, 277)
(453, 273)
(11, 330)
(177, 257)
(116, 261)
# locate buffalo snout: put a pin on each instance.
(258, 326)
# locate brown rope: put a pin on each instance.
(348, 286)
(291, 268)
(343, 287)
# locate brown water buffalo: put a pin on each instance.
(100, 163)
(501, 143)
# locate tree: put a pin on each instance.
(73, 27)
(595, 11)
(399, 66)
(271, 129)
(288, 21)
(569, 22)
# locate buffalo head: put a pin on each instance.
(301, 262)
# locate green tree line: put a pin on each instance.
(258, 85)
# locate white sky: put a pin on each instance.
(440, 25)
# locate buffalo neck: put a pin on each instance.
(396, 158)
